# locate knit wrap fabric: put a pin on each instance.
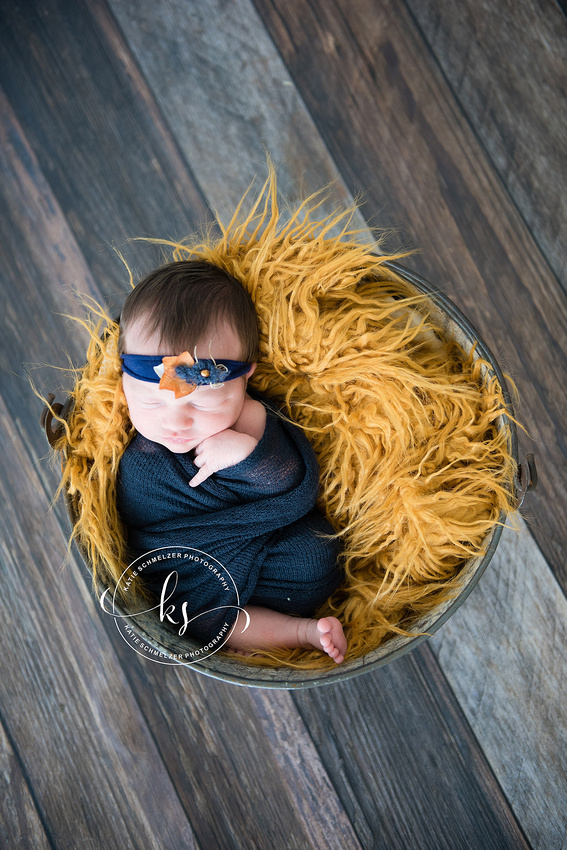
(257, 518)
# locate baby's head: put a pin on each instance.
(196, 307)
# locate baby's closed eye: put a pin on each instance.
(211, 406)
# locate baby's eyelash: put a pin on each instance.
(149, 405)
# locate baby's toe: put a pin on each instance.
(324, 625)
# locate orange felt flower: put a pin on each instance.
(170, 380)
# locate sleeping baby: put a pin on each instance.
(218, 469)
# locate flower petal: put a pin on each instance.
(170, 380)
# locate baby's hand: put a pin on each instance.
(226, 448)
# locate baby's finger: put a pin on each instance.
(201, 476)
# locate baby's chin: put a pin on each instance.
(179, 449)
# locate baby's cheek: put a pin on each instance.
(219, 422)
(144, 421)
(135, 417)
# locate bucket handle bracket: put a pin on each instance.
(51, 410)
(526, 479)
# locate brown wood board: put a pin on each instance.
(396, 736)
(396, 134)
(37, 230)
(83, 743)
(20, 822)
(507, 67)
(26, 313)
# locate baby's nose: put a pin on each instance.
(178, 419)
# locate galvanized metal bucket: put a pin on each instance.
(231, 669)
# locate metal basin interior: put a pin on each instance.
(220, 666)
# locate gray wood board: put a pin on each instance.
(97, 135)
(395, 132)
(227, 97)
(20, 822)
(255, 808)
(507, 66)
(404, 762)
(225, 750)
(79, 734)
(506, 649)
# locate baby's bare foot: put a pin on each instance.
(327, 634)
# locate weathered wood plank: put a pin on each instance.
(20, 822)
(41, 265)
(97, 134)
(395, 133)
(267, 802)
(301, 765)
(401, 768)
(227, 96)
(507, 66)
(96, 775)
(137, 23)
(228, 757)
(523, 663)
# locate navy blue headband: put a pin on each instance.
(182, 373)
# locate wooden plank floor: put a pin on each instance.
(139, 118)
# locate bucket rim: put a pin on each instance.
(283, 678)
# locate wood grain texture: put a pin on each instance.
(506, 64)
(228, 780)
(96, 775)
(522, 662)
(228, 98)
(301, 766)
(225, 750)
(97, 135)
(402, 770)
(392, 126)
(42, 271)
(20, 822)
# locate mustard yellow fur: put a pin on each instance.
(415, 461)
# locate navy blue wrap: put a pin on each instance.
(258, 518)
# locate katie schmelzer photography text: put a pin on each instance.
(133, 625)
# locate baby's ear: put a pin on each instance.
(251, 371)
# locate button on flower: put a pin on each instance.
(182, 374)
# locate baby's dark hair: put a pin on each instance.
(182, 301)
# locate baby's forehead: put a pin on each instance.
(219, 341)
(138, 340)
